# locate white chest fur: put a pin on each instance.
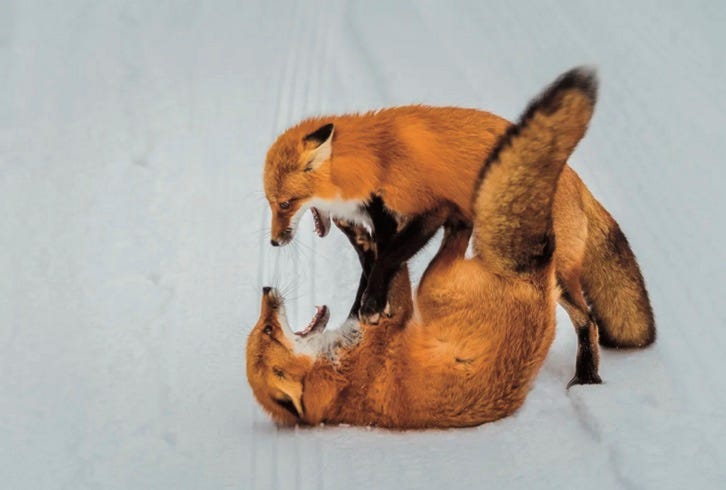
(349, 210)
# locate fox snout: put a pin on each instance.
(281, 229)
(282, 238)
(271, 300)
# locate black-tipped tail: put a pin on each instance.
(513, 205)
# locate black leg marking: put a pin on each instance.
(586, 365)
(384, 224)
(366, 250)
(402, 246)
(588, 353)
(367, 246)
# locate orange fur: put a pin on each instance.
(421, 159)
(407, 155)
(482, 326)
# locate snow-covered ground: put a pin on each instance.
(133, 242)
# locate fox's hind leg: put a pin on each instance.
(588, 351)
(453, 248)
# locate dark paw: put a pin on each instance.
(585, 379)
(372, 309)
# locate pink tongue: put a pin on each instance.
(319, 321)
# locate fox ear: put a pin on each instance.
(322, 386)
(292, 401)
(321, 140)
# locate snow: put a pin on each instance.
(134, 238)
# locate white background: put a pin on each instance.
(134, 236)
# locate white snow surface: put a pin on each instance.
(134, 237)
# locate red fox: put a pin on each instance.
(406, 171)
(482, 326)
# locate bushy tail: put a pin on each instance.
(513, 205)
(613, 284)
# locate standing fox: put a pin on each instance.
(483, 325)
(406, 171)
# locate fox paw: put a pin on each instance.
(585, 379)
(372, 310)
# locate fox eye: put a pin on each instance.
(278, 372)
(285, 205)
(267, 330)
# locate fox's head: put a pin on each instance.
(297, 170)
(280, 363)
(292, 374)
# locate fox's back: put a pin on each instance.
(416, 157)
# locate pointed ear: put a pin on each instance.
(292, 401)
(321, 143)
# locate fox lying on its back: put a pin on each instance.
(406, 171)
(483, 325)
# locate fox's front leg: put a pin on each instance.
(401, 247)
(366, 244)
(365, 247)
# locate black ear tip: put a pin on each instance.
(328, 128)
(321, 134)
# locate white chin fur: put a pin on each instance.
(348, 210)
(325, 343)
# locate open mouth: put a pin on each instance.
(322, 222)
(318, 323)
